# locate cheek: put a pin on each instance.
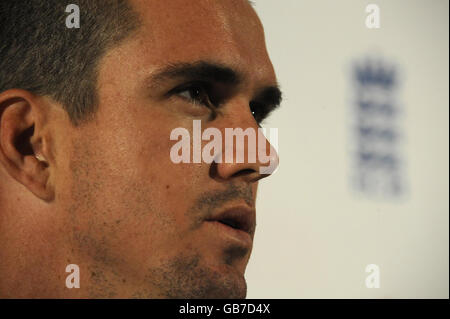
(129, 199)
(135, 179)
(114, 203)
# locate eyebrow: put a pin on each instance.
(270, 95)
(211, 72)
(199, 71)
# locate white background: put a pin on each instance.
(315, 234)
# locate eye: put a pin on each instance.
(195, 93)
(260, 111)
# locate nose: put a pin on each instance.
(247, 153)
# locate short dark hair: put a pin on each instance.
(40, 54)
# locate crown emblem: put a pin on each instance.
(375, 73)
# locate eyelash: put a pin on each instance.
(259, 110)
(200, 89)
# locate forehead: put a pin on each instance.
(224, 31)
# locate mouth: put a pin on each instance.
(235, 224)
(232, 223)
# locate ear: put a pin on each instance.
(24, 143)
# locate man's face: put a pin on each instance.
(137, 222)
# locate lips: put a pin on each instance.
(238, 218)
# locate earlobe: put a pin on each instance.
(21, 133)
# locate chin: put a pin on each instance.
(225, 282)
(192, 277)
